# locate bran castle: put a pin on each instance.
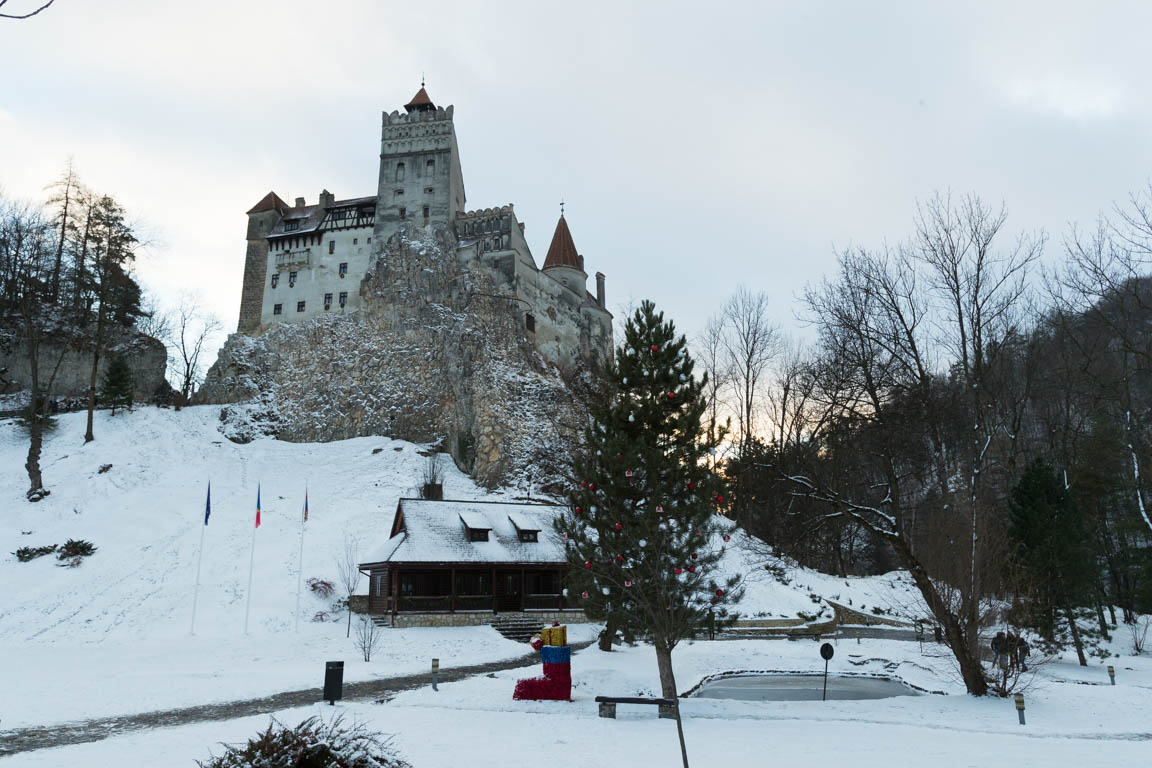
(305, 261)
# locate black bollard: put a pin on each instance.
(435, 673)
(333, 681)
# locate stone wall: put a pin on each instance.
(480, 618)
(147, 357)
(434, 354)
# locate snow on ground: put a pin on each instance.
(476, 719)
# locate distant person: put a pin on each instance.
(998, 648)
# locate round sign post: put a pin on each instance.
(826, 653)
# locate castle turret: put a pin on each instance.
(262, 217)
(420, 178)
(564, 263)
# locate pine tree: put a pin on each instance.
(117, 385)
(641, 525)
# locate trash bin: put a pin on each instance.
(333, 681)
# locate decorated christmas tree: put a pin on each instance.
(116, 389)
(642, 534)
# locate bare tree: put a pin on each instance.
(348, 572)
(750, 340)
(192, 329)
(28, 15)
(368, 635)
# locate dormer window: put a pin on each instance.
(476, 526)
(477, 534)
(292, 225)
(527, 529)
(527, 536)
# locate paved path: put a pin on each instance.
(27, 739)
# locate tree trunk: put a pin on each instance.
(609, 633)
(1075, 636)
(36, 489)
(99, 341)
(668, 688)
(349, 633)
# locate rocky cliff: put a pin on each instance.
(436, 354)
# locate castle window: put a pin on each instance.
(530, 322)
(430, 168)
(355, 240)
(291, 279)
(327, 301)
(299, 306)
(331, 246)
(343, 268)
(398, 193)
(403, 213)
(399, 171)
(369, 240)
(429, 190)
(499, 243)
(277, 309)
(292, 226)
(275, 279)
(425, 214)
(343, 298)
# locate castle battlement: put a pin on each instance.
(396, 117)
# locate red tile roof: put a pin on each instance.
(270, 202)
(562, 252)
(419, 100)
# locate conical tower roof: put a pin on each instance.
(420, 102)
(562, 252)
(270, 202)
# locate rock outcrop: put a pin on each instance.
(435, 354)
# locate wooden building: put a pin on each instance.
(468, 557)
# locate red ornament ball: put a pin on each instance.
(619, 455)
(727, 537)
(719, 593)
(695, 556)
(691, 486)
(591, 486)
(719, 499)
(584, 595)
(588, 564)
(583, 483)
(679, 571)
(627, 583)
(671, 395)
(579, 510)
(655, 347)
(659, 509)
(691, 569)
(619, 558)
(619, 526)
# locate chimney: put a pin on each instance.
(580, 258)
(326, 198)
(600, 289)
(299, 202)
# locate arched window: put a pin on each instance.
(399, 171)
(430, 168)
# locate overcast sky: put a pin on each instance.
(698, 145)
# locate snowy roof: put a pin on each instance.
(426, 531)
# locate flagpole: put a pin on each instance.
(300, 562)
(200, 558)
(196, 592)
(252, 562)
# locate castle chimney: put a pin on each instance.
(600, 289)
(299, 202)
(580, 258)
(326, 198)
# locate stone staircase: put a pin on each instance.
(517, 626)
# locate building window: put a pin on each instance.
(498, 243)
(530, 322)
(291, 279)
(430, 168)
(477, 534)
(403, 213)
(398, 193)
(529, 535)
(399, 171)
(343, 298)
(277, 309)
(331, 246)
(429, 190)
(343, 268)
(327, 301)
(369, 240)
(275, 279)
(425, 214)
(299, 306)
(292, 226)
(355, 240)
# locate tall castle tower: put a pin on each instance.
(420, 178)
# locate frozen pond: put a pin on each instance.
(801, 688)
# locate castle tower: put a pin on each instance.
(420, 178)
(564, 263)
(262, 217)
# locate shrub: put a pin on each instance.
(314, 744)
(24, 554)
(322, 587)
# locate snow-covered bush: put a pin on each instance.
(313, 743)
(321, 587)
(24, 554)
(74, 549)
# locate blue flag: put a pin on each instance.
(208, 504)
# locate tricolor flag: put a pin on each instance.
(257, 505)
(305, 506)
(208, 504)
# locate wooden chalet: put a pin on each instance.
(478, 557)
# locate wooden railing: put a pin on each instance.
(474, 602)
(543, 602)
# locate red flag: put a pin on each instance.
(257, 505)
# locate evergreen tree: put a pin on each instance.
(641, 526)
(117, 385)
(1053, 546)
